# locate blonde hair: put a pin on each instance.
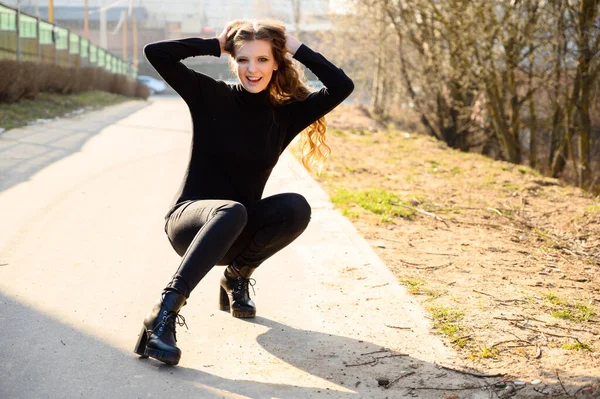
(286, 84)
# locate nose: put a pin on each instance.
(251, 66)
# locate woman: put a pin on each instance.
(218, 216)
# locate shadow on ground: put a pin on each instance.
(25, 151)
(43, 357)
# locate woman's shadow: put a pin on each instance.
(348, 367)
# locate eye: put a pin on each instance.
(241, 60)
(263, 59)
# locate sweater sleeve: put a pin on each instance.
(338, 87)
(165, 57)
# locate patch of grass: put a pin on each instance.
(414, 285)
(484, 353)
(524, 170)
(561, 308)
(593, 208)
(586, 312)
(337, 132)
(563, 314)
(435, 165)
(51, 105)
(351, 214)
(446, 321)
(433, 293)
(461, 342)
(380, 202)
(578, 346)
(555, 299)
(511, 186)
(581, 313)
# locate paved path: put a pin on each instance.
(83, 257)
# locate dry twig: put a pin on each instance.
(561, 384)
(453, 389)
(379, 351)
(498, 299)
(395, 380)
(399, 328)
(374, 361)
(478, 375)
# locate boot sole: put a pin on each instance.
(141, 349)
(224, 305)
(240, 314)
(243, 315)
(169, 358)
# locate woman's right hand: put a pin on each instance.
(223, 39)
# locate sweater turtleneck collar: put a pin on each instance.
(251, 99)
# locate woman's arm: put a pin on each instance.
(166, 56)
(337, 84)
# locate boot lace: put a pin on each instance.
(170, 321)
(243, 285)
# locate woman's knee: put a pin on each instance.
(235, 212)
(300, 210)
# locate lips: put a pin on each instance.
(253, 80)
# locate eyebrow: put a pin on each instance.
(258, 56)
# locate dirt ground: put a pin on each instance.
(506, 261)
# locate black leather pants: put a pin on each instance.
(206, 233)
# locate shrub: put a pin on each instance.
(26, 79)
(9, 81)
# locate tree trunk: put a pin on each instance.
(532, 118)
(587, 14)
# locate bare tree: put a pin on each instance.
(515, 79)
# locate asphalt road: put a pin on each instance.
(83, 257)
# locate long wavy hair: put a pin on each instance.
(286, 84)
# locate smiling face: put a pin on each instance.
(254, 64)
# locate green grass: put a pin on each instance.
(511, 186)
(380, 202)
(50, 105)
(578, 346)
(563, 314)
(456, 171)
(555, 299)
(446, 321)
(484, 353)
(593, 208)
(586, 312)
(414, 286)
(562, 309)
(524, 170)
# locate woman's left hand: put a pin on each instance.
(292, 44)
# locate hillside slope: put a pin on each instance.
(506, 261)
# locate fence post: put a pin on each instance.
(68, 48)
(18, 21)
(54, 41)
(39, 41)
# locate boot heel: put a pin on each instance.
(140, 346)
(223, 300)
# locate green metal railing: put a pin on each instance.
(27, 38)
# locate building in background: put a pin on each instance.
(170, 19)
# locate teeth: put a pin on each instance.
(254, 79)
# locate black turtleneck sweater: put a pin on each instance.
(238, 136)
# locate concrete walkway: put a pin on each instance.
(83, 257)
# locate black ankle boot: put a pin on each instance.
(157, 338)
(234, 294)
